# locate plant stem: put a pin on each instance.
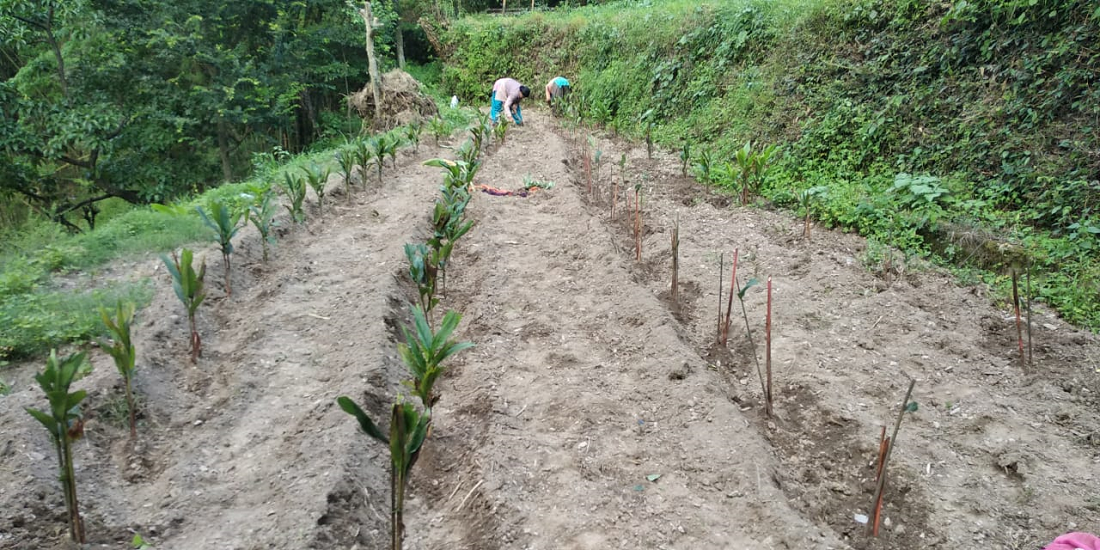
(873, 525)
(196, 343)
(130, 405)
(752, 344)
(729, 304)
(228, 289)
(77, 529)
(768, 346)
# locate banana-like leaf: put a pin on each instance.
(44, 418)
(365, 423)
(748, 285)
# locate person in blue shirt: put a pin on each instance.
(556, 90)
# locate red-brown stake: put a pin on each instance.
(872, 527)
(614, 192)
(676, 261)
(721, 274)
(768, 357)
(1016, 307)
(638, 224)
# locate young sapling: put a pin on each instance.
(66, 424)
(123, 352)
(408, 429)
(379, 147)
(318, 178)
(364, 155)
(685, 158)
(225, 226)
(438, 128)
(412, 133)
(425, 350)
(295, 190)
(188, 285)
(346, 159)
(262, 216)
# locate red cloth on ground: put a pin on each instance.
(1075, 541)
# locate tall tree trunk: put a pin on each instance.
(399, 41)
(223, 150)
(504, 7)
(372, 62)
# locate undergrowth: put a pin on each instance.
(965, 132)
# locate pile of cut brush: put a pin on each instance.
(403, 102)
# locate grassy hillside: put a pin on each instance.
(967, 131)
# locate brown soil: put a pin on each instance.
(585, 380)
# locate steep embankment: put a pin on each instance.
(991, 105)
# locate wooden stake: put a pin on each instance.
(721, 274)
(676, 260)
(637, 223)
(1027, 270)
(872, 527)
(768, 356)
(1016, 307)
(729, 304)
(587, 166)
(883, 444)
(614, 192)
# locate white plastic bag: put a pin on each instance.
(454, 102)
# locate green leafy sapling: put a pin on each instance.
(438, 128)
(806, 199)
(408, 429)
(423, 273)
(364, 155)
(295, 189)
(391, 149)
(412, 133)
(188, 285)
(425, 350)
(317, 178)
(346, 159)
(500, 132)
(122, 350)
(262, 216)
(225, 226)
(703, 164)
(685, 158)
(65, 423)
(379, 147)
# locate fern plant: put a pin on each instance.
(408, 429)
(225, 226)
(189, 287)
(122, 351)
(262, 216)
(317, 178)
(65, 423)
(295, 189)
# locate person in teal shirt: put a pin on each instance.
(556, 90)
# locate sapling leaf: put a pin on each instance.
(911, 407)
(744, 289)
(365, 423)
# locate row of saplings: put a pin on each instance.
(64, 419)
(426, 348)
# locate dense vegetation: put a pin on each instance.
(968, 131)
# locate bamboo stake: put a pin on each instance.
(872, 527)
(1016, 308)
(587, 166)
(676, 261)
(614, 192)
(883, 443)
(768, 357)
(729, 304)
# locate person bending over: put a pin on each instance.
(556, 90)
(507, 93)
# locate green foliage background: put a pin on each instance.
(925, 120)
